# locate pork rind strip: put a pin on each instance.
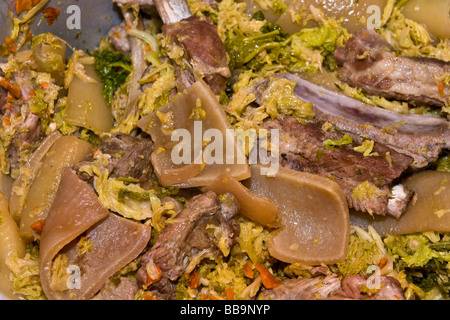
(83, 239)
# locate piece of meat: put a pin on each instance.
(301, 148)
(195, 234)
(330, 287)
(418, 136)
(118, 36)
(29, 134)
(3, 95)
(205, 55)
(406, 141)
(135, 162)
(24, 81)
(125, 290)
(114, 241)
(370, 63)
(129, 158)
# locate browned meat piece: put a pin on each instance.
(302, 148)
(29, 136)
(130, 157)
(330, 287)
(125, 290)
(135, 160)
(205, 55)
(193, 236)
(418, 136)
(402, 141)
(370, 63)
(3, 95)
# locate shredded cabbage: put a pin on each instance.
(333, 144)
(363, 252)
(410, 38)
(424, 259)
(129, 200)
(253, 240)
(76, 68)
(25, 276)
(366, 190)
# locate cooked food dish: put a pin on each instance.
(239, 150)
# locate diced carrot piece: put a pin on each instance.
(248, 270)
(23, 5)
(441, 90)
(9, 44)
(38, 225)
(154, 274)
(6, 121)
(51, 14)
(150, 296)
(229, 293)
(9, 97)
(194, 280)
(268, 280)
(382, 263)
(12, 88)
(213, 297)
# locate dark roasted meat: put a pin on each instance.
(129, 158)
(302, 148)
(205, 55)
(182, 244)
(418, 136)
(401, 141)
(370, 63)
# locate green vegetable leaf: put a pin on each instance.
(332, 144)
(113, 69)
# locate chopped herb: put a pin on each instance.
(113, 69)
